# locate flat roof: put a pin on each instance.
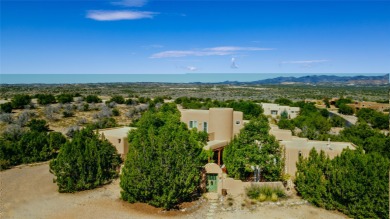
(319, 145)
(117, 132)
(212, 145)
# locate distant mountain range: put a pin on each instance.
(320, 79)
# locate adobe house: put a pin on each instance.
(294, 147)
(274, 110)
(118, 138)
(221, 124)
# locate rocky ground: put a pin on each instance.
(29, 192)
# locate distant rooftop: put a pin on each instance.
(118, 132)
(319, 145)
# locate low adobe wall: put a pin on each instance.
(234, 187)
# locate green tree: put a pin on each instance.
(118, 99)
(20, 100)
(93, 99)
(354, 182)
(284, 114)
(286, 124)
(376, 119)
(342, 101)
(327, 103)
(283, 102)
(254, 146)
(85, 162)
(6, 107)
(65, 98)
(45, 98)
(337, 121)
(345, 109)
(38, 125)
(310, 177)
(163, 165)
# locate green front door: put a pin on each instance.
(212, 182)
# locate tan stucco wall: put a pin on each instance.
(221, 121)
(118, 138)
(122, 147)
(292, 156)
(237, 116)
(293, 112)
(195, 115)
(234, 187)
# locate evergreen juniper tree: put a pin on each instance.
(163, 165)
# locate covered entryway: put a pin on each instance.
(212, 183)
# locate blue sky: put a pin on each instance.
(144, 37)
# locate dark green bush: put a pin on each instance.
(6, 107)
(45, 98)
(251, 147)
(65, 98)
(85, 162)
(117, 99)
(354, 183)
(20, 100)
(93, 99)
(163, 165)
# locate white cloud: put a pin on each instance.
(191, 68)
(234, 65)
(305, 61)
(130, 3)
(102, 15)
(184, 53)
(236, 48)
(214, 51)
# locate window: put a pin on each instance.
(119, 140)
(274, 112)
(238, 122)
(205, 127)
(299, 153)
(193, 124)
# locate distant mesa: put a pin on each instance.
(321, 79)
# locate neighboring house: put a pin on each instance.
(294, 147)
(221, 124)
(274, 110)
(381, 107)
(118, 138)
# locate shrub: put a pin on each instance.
(65, 98)
(117, 99)
(85, 162)
(20, 100)
(38, 125)
(274, 197)
(67, 113)
(6, 107)
(115, 112)
(45, 99)
(93, 99)
(23, 118)
(264, 192)
(163, 164)
(254, 146)
(345, 109)
(6, 118)
(51, 113)
(262, 197)
(353, 182)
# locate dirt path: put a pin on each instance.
(29, 192)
